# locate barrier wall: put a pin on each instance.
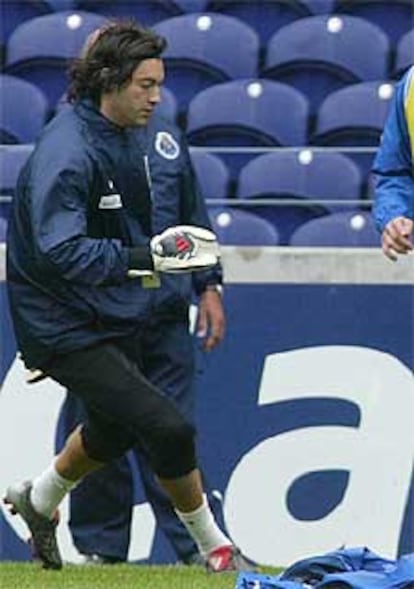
(305, 413)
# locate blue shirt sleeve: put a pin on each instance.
(392, 169)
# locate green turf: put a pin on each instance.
(125, 576)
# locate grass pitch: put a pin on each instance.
(124, 576)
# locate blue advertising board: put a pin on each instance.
(304, 413)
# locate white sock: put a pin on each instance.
(203, 528)
(48, 490)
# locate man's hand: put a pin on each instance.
(184, 248)
(396, 237)
(211, 320)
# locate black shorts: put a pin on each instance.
(124, 409)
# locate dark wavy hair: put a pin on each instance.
(110, 57)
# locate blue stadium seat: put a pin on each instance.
(12, 159)
(304, 175)
(147, 12)
(346, 229)
(247, 113)
(268, 16)
(39, 50)
(404, 55)
(236, 227)
(192, 5)
(321, 54)
(168, 106)
(354, 116)
(205, 49)
(394, 17)
(297, 178)
(212, 174)
(349, 229)
(23, 110)
(250, 112)
(16, 12)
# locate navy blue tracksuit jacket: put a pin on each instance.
(83, 200)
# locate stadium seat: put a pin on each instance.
(147, 12)
(297, 180)
(206, 49)
(395, 18)
(236, 227)
(12, 159)
(192, 5)
(168, 105)
(212, 174)
(23, 110)
(404, 55)
(39, 50)
(354, 116)
(348, 229)
(321, 54)
(303, 183)
(268, 16)
(16, 12)
(247, 113)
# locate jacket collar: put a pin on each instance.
(90, 113)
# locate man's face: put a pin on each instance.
(133, 104)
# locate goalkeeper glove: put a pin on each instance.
(182, 248)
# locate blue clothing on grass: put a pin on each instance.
(347, 568)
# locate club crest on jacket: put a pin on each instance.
(166, 145)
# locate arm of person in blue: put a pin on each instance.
(393, 171)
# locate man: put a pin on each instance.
(101, 508)
(83, 268)
(394, 177)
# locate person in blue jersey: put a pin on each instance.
(84, 264)
(394, 176)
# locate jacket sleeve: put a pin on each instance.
(392, 169)
(58, 205)
(194, 212)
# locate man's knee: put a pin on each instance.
(173, 455)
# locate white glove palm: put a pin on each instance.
(182, 248)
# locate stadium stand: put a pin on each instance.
(346, 229)
(247, 113)
(404, 55)
(201, 52)
(212, 174)
(395, 18)
(235, 227)
(148, 12)
(23, 110)
(39, 50)
(321, 54)
(270, 15)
